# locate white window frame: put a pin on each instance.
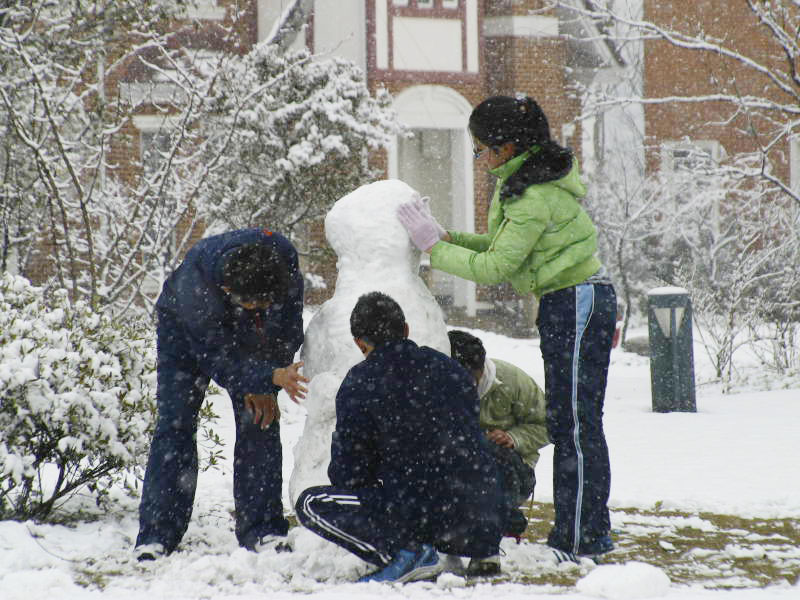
(711, 148)
(794, 163)
(204, 9)
(151, 124)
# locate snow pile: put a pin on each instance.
(92, 559)
(78, 398)
(630, 581)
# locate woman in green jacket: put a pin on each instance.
(541, 240)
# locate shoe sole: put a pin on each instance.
(148, 552)
(421, 574)
(146, 557)
(484, 572)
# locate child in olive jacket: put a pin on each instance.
(513, 418)
(513, 414)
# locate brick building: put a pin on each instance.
(439, 58)
(720, 129)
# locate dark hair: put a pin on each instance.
(377, 319)
(467, 349)
(502, 119)
(520, 120)
(256, 271)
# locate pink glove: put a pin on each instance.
(424, 205)
(422, 228)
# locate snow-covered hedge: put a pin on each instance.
(78, 399)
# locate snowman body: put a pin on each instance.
(374, 254)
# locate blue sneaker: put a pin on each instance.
(409, 566)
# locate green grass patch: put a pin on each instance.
(716, 551)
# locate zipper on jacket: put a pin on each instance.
(260, 331)
(498, 232)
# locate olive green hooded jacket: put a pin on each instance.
(515, 404)
(540, 241)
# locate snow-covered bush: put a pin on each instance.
(289, 135)
(722, 233)
(78, 399)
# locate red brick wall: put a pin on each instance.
(123, 152)
(673, 71)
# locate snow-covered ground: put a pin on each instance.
(739, 454)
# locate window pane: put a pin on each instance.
(155, 143)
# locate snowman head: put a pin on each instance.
(362, 227)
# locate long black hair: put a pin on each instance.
(520, 120)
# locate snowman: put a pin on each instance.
(374, 254)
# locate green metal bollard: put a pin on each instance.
(669, 317)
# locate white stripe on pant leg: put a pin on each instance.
(332, 529)
(343, 499)
(584, 307)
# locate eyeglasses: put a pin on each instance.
(477, 153)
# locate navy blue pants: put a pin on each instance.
(171, 476)
(339, 515)
(576, 326)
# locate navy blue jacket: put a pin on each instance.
(237, 348)
(407, 439)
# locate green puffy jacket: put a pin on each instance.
(540, 241)
(514, 403)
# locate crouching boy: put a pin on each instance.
(513, 415)
(410, 470)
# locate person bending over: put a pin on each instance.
(231, 312)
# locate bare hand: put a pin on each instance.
(500, 437)
(264, 408)
(290, 379)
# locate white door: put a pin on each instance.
(436, 160)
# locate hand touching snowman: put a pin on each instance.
(422, 227)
